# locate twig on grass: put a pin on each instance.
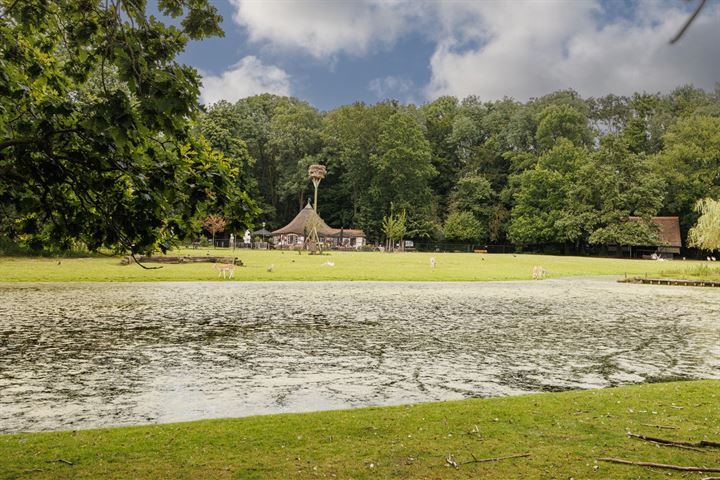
(662, 441)
(658, 465)
(666, 427)
(61, 460)
(494, 459)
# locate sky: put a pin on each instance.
(335, 52)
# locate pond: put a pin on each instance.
(85, 355)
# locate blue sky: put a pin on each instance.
(335, 52)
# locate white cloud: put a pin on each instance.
(532, 48)
(391, 85)
(324, 28)
(247, 77)
(520, 48)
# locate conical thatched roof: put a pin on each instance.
(297, 225)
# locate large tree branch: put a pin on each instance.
(689, 22)
(17, 141)
(13, 142)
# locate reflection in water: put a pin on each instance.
(89, 355)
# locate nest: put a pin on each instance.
(317, 172)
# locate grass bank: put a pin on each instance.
(698, 271)
(347, 266)
(563, 433)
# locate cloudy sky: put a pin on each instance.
(334, 52)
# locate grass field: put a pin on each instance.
(563, 433)
(348, 266)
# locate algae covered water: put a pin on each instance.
(79, 355)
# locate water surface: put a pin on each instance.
(88, 355)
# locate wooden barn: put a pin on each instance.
(669, 229)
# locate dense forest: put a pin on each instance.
(557, 170)
(103, 145)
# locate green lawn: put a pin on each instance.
(348, 266)
(564, 433)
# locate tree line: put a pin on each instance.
(560, 169)
(103, 144)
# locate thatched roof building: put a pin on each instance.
(294, 232)
(302, 221)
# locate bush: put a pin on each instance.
(463, 227)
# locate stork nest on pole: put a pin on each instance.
(317, 172)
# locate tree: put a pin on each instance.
(95, 117)
(690, 165)
(401, 173)
(548, 202)
(463, 227)
(394, 227)
(439, 118)
(220, 127)
(473, 194)
(620, 184)
(561, 121)
(214, 224)
(706, 232)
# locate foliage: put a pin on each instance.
(621, 184)
(463, 227)
(394, 227)
(214, 224)
(400, 170)
(96, 142)
(561, 121)
(690, 165)
(706, 232)
(556, 169)
(547, 208)
(103, 144)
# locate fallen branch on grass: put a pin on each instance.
(658, 465)
(667, 427)
(61, 460)
(662, 441)
(663, 444)
(494, 459)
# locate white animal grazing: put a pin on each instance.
(538, 272)
(432, 262)
(225, 268)
(329, 263)
(270, 267)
